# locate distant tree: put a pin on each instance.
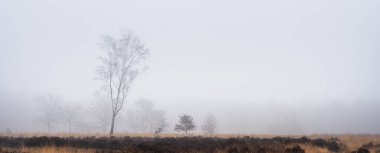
(8, 131)
(101, 113)
(119, 68)
(185, 124)
(209, 124)
(145, 117)
(161, 126)
(70, 114)
(133, 120)
(49, 110)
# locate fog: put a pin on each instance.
(261, 67)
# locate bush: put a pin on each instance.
(295, 149)
(361, 150)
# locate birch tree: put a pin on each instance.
(120, 66)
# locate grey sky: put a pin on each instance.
(277, 64)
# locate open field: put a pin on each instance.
(195, 76)
(222, 143)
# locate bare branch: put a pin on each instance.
(120, 67)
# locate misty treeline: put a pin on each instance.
(120, 64)
(56, 113)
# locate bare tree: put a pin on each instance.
(49, 109)
(145, 117)
(70, 114)
(185, 124)
(119, 68)
(161, 126)
(209, 124)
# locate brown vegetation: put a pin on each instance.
(81, 143)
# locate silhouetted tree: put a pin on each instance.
(209, 124)
(119, 68)
(161, 126)
(185, 124)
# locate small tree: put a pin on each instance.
(161, 126)
(185, 124)
(145, 117)
(209, 124)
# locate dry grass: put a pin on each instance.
(76, 135)
(353, 142)
(50, 149)
(313, 149)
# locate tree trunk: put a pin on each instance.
(112, 124)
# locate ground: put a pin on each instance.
(221, 143)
